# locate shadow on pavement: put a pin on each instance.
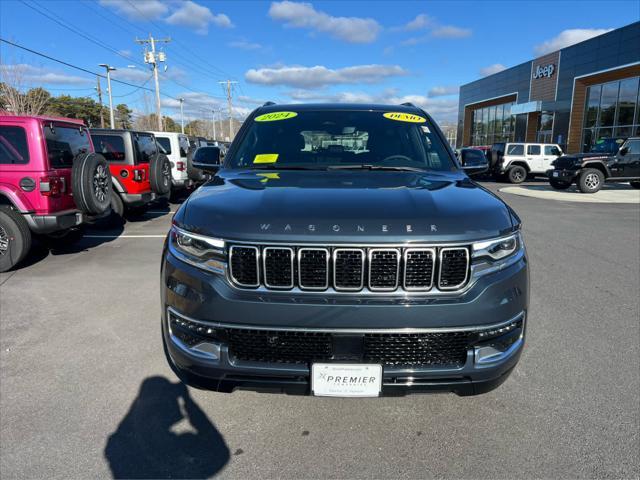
(165, 434)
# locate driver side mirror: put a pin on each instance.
(623, 151)
(207, 159)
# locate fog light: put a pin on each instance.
(196, 338)
(499, 343)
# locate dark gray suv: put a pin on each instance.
(341, 250)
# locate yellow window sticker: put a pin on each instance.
(266, 158)
(269, 176)
(275, 116)
(404, 117)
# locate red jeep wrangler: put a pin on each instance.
(140, 172)
(51, 182)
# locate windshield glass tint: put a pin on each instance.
(319, 139)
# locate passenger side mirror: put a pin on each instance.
(207, 159)
(623, 151)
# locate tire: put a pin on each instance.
(117, 206)
(517, 174)
(91, 183)
(590, 180)
(193, 173)
(15, 238)
(64, 238)
(635, 184)
(559, 185)
(160, 174)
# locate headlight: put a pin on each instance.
(197, 250)
(497, 249)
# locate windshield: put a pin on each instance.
(341, 139)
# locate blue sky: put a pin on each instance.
(294, 51)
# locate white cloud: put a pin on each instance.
(131, 75)
(198, 104)
(245, 44)
(449, 31)
(443, 110)
(319, 76)
(38, 76)
(491, 69)
(138, 10)
(421, 21)
(198, 17)
(568, 37)
(304, 15)
(442, 91)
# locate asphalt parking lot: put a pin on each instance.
(85, 390)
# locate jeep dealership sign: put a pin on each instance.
(546, 71)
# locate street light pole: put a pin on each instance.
(213, 122)
(181, 115)
(109, 70)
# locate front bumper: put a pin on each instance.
(496, 298)
(43, 224)
(561, 175)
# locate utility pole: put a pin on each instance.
(152, 58)
(99, 89)
(109, 70)
(213, 123)
(181, 115)
(227, 85)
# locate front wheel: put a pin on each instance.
(15, 238)
(635, 184)
(590, 180)
(559, 185)
(517, 174)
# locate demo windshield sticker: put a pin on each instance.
(266, 158)
(275, 116)
(404, 117)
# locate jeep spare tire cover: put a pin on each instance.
(91, 183)
(160, 174)
(193, 173)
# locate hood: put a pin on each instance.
(577, 158)
(343, 207)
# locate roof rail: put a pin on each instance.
(266, 104)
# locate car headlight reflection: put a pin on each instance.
(200, 251)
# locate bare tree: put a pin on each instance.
(18, 97)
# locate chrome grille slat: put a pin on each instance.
(419, 268)
(278, 267)
(384, 269)
(454, 268)
(350, 268)
(313, 268)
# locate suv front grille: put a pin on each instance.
(447, 349)
(349, 269)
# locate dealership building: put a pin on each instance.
(572, 96)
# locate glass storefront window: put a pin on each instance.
(611, 111)
(492, 124)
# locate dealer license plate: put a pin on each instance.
(346, 380)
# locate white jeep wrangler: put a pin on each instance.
(518, 160)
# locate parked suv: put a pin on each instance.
(139, 171)
(591, 170)
(341, 250)
(516, 161)
(176, 147)
(51, 182)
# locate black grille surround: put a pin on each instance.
(416, 269)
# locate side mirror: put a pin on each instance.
(206, 159)
(623, 151)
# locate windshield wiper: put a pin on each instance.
(375, 167)
(273, 166)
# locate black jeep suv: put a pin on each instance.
(341, 250)
(591, 170)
